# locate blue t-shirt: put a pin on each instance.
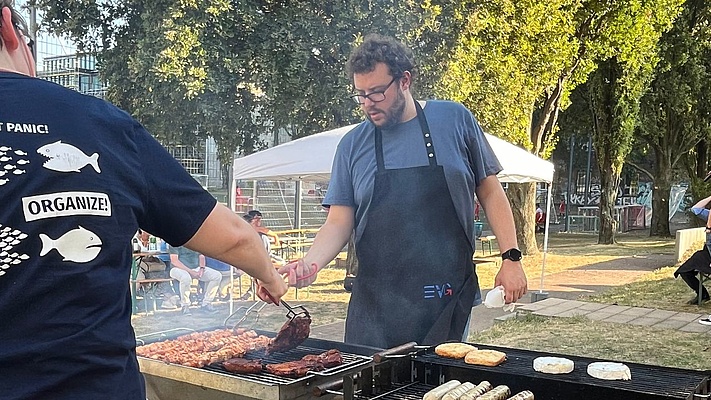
(217, 265)
(702, 213)
(79, 176)
(460, 146)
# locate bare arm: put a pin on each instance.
(332, 236)
(329, 241)
(498, 212)
(228, 238)
(702, 203)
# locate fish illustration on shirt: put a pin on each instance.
(78, 245)
(67, 158)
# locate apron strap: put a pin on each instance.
(424, 126)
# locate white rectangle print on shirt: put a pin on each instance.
(64, 204)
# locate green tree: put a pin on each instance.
(676, 111)
(515, 62)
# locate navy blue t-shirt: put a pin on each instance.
(78, 177)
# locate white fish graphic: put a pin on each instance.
(78, 245)
(67, 158)
(4, 181)
(3, 159)
(22, 162)
(20, 153)
(9, 166)
(2, 173)
(5, 148)
(19, 171)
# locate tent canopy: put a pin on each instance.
(310, 159)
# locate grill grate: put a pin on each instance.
(518, 373)
(349, 361)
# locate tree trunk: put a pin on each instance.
(522, 197)
(609, 182)
(660, 197)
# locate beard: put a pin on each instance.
(393, 115)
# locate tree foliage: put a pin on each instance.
(675, 117)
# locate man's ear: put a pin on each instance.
(7, 30)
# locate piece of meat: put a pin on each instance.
(310, 362)
(295, 369)
(242, 366)
(291, 334)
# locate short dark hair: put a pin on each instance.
(247, 217)
(380, 49)
(254, 213)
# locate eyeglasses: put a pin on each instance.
(31, 46)
(375, 97)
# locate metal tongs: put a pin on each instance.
(296, 311)
(254, 309)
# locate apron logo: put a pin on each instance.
(437, 291)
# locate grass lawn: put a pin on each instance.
(327, 302)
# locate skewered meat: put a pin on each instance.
(201, 348)
(291, 334)
(297, 369)
(243, 366)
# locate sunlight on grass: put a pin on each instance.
(617, 342)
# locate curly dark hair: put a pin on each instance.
(17, 19)
(380, 49)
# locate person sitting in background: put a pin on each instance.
(256, 221)
(540, 218)
(224, 290)
(700, 261)
(188, 265)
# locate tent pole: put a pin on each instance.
(297, 205)
(232, 187)
(541, 294)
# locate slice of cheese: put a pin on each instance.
(553, 365)
(609, 371)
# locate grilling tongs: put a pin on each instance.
(298, 311)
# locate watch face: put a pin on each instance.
(513, 255)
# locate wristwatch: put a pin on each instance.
(512, 254)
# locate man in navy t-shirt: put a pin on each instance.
(78, 177)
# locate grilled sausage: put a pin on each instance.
(477, 391)
(455, 393)
(501, 392)
(525, 395)
(438, 392)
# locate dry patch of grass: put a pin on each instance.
(618, 342)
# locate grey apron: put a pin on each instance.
(416, 279)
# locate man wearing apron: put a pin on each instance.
(405, 181)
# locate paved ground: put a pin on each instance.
(564, 292)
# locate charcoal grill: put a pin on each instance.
(413, 376)
(170, 381)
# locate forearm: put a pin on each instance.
(702, 203)
(230, 239)
(333, 235)
(498, 212)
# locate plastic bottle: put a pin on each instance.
(136, 246)
(152, 246)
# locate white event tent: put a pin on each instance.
(310, 159)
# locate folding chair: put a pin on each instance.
(703, 277)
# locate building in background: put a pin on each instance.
(76, 71)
